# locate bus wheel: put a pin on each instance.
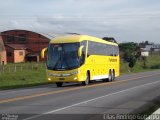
(86, 82)
(113, 76)
(59, 84)
(109, 79)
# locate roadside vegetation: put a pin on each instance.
(132, 61)
(22, 75)
(152, 62)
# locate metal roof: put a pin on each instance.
(47, 35)
(17, 46)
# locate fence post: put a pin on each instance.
(21, 67)
(15, 69)
(32, 66)
(9, 69)
(3, 68)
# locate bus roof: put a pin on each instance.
(79, 38)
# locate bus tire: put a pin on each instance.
(59, 84)
(86, 82)
(109, 79)
(113, 75)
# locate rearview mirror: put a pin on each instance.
(80, 51)
(43, 52)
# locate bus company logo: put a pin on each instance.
(112, 60)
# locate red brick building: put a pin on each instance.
(3, 59)
(23, 45)
(16, 52)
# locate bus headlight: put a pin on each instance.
(49, 79)
(75, 78)
(75, 72)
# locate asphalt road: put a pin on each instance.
(128, 94)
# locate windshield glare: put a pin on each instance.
(63, 56)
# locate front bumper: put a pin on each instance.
(64, 77)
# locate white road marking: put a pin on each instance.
(85, 102)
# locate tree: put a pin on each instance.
(128, 49)
(130, 53)
(144, 58)
(132, 61)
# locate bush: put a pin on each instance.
(157, 66)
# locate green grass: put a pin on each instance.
(22, 79)
(152, 63)
(32, 74)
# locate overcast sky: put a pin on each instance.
(126, 20)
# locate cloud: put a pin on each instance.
(127, 20)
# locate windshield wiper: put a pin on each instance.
(57, 62)
(66, 60)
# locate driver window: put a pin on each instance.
(82, 59)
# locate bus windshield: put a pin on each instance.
(63, 56)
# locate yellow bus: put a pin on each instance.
(81, 58)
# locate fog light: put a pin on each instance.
(75, 78)
(49, 79)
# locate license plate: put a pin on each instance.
(61, 78)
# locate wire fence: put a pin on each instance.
(10, 68)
